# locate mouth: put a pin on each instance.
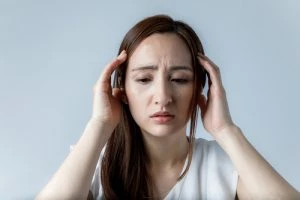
(162, 117)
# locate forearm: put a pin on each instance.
(256, 174)
(72, 180)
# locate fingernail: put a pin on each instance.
(122, 54)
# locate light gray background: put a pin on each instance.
(52, 52)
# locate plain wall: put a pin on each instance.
(52, 53)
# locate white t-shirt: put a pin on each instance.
(211, 175)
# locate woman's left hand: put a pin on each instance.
(214, 110)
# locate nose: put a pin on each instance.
(162, 93)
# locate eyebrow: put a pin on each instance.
(154, 67)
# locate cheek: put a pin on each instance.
(184, 94)
(184, 99)
(138, 93)
(136, 99)
(132, 93)
(137, 107)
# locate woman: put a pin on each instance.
(140, 125)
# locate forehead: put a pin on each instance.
(161, 48)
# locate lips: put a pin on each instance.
(162, 117)
(161, 113)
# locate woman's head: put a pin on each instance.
(161, 42)
(173, 83)
(159, 82)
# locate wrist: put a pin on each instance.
(232, 140)
(104, 130)
(97, 122)
(227, 133)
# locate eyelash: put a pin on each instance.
(180, 80)
(176, 80)
(143, 80)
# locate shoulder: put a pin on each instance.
(210, 147)
(211, 152)
(220, 174)
(211, 174)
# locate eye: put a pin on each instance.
(180, 80)
(143, 80)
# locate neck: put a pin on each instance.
(166, 151)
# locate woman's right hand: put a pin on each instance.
(106, 101)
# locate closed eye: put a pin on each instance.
(143, 80)
(180, 80)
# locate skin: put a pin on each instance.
(159, 77)
(154, 83)
(257, 178)
(73, 178)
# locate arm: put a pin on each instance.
(257, 178)
(73, 179)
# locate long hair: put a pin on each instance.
(124, 173)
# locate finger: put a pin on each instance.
(105, 77)
(117, 93)
(213, 70)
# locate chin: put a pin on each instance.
(162, 131)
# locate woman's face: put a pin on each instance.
(159, 84)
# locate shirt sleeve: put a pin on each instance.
(222, 171)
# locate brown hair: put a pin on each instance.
(124, 173)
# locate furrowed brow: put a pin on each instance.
(142, 68)
(153, 67)
(185, 68)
